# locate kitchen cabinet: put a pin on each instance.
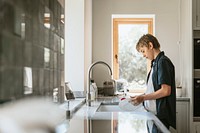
(100, 126)
(196, 14)
(182, 116)
(197, 127)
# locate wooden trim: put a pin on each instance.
(115, 50)
(116, 22)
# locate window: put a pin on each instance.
(128, 64)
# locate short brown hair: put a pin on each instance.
(144, 41)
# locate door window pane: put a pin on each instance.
(132, 65)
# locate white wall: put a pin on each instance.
(186, 46)
(74, 43)
(166, 28)
(187, 53)
(88, 38)
(78, 44)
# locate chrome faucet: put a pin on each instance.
(88, 98)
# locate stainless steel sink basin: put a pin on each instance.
(109, 107)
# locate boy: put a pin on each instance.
(160, 96)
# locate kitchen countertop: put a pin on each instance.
(89, 119)
(71, 106)
(74, 116)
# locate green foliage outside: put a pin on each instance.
(132, 65)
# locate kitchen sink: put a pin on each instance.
(109, 107)
(114, 107)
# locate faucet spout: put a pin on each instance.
(88, 98)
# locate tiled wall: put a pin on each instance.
(31, 36)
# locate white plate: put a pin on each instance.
(128, 106)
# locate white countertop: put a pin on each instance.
(132, 119)
(82, 117)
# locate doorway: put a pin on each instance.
(128, 63)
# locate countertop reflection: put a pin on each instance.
(88, 120)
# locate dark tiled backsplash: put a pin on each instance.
(30, 40)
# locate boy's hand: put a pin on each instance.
(136, 100)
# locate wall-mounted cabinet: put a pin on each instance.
(196, 14)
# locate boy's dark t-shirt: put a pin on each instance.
(164, 73)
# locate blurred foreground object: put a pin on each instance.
(30, 115)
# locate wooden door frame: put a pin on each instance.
(116, 22)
